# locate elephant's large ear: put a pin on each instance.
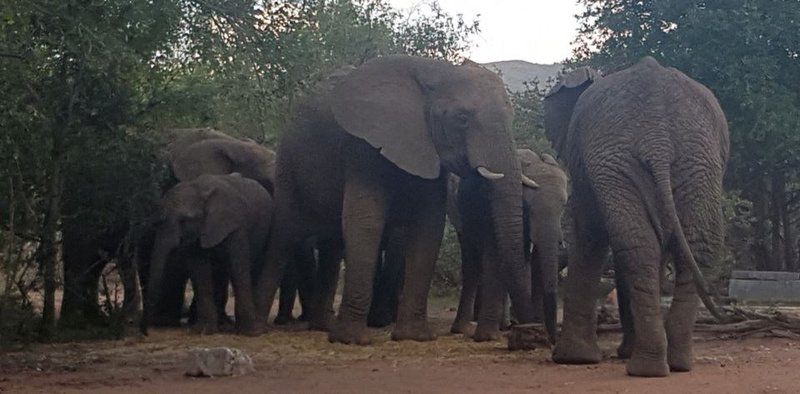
(384, 103)
(560, 102)
(223, 215)
(204, 157)
(573, 79)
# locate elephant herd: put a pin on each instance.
(378, 155)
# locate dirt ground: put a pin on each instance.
(301, 361)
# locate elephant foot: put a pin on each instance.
(570, 351)
(417, 330)
(486, 333)
(349, 332)
(680, 359)
(379, 319)
(625, 349)
(320, 323)
(282, 320)
(205, 328)
(505, 325)
(161, 321)
(248, 327)
(463, 327)
(647, 367)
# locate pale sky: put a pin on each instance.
(538, 31)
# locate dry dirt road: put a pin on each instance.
(305, 362)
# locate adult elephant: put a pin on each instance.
(543, 203)
(387, 133)
(223, 222)
(646, 149)
(219, 156)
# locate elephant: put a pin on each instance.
(307, 276)
(218, 155)
(387, 134)
(223, 223)
(189, 154)
(646, 149)
(543, 203)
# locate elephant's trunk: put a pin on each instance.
(507, 220)
(546, 239)
(161, 250)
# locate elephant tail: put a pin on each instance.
(661, 173)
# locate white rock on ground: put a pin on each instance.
(219, 361)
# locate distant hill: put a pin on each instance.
(516, 72)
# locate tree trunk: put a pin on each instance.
(49, 257)
(760, 228)
(778, 205)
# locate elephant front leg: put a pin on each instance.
(363, 220)
(203, 287)
(491, 311)
(425, 230)
(240, 270)
(470, 276)
(288, 292)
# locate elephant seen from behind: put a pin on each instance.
(646, 149)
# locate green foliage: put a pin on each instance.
(447, 277)
(86, 89)
(528, 127)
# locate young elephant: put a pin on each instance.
(223, 221)
(189, 154)
(646, 148)
(543, 204)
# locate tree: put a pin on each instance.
(87, 86)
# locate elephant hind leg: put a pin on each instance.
(578, 341)
(637, 251)
(321, 306)
(702, 225)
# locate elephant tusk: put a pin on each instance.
(529, 182)
(488, 174)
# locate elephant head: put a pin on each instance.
(544, 206)
(427, 115)
(560, 102)
(223, 156)
(199, 211)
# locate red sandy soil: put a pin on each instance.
(301, 361)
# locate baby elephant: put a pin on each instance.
(220, 223)
(543, 203)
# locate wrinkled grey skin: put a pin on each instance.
(223, 222)
(646, 149)
(218, 155)
(543, 236)
(388, 132)
(189, 154)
